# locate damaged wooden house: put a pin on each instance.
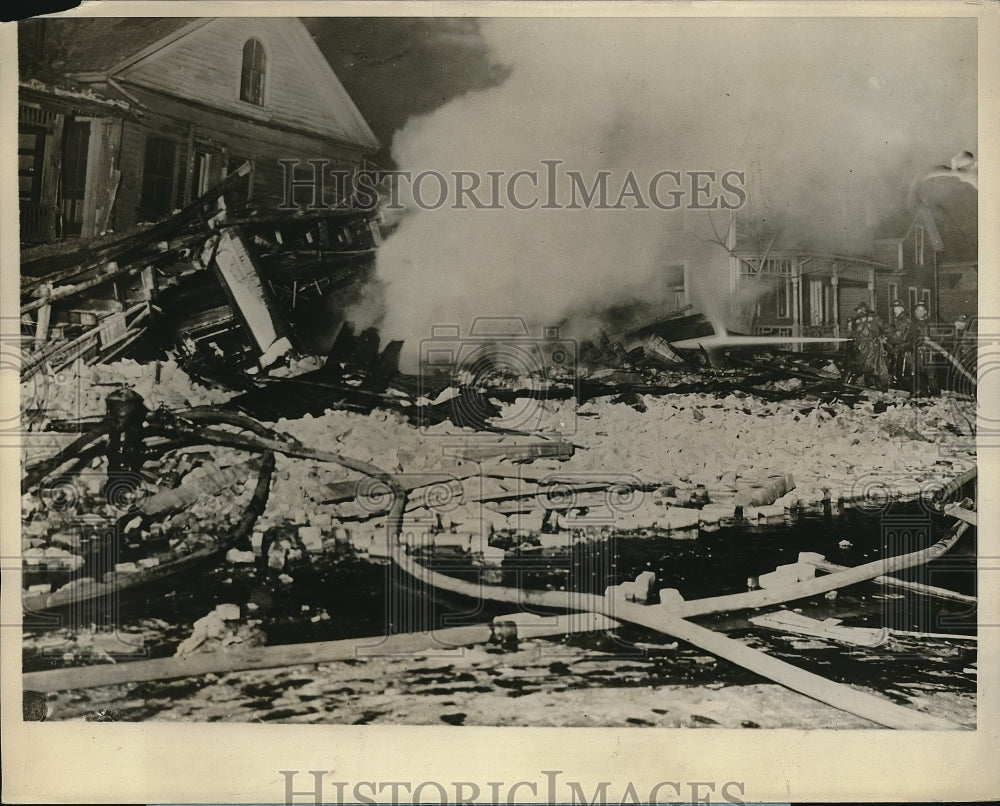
(156, 159)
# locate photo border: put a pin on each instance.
(238, 763)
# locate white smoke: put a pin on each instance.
(830, 120)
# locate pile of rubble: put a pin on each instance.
(79, 391)
(635, 462)
(832, 451)
(688, 462)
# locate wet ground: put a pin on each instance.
(631, 678)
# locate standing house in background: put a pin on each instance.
(127, 119)
(909, 246)
(958, 278)
(956, 214)
(804, 293)
(928, 255)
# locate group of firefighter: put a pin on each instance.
(904, 354)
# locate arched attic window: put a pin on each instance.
(252, 77)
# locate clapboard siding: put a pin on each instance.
(300, 90)
(240, 136)
(850, 297)
(232, 138)
(882, 302)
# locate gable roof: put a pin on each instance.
(147, 52)
(97, 44)
(900, 227)
(894, 228)
(959, 231)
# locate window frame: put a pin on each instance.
(782, 303)
(680, 291)
(145, 212)
(246, 72)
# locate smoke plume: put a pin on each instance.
(829, 120)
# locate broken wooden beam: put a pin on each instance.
(342, 491)
(64, 353)
(796, 373)
(129, 243)
(789, 621)
(475, 450)
(243, 281)
(937, 636)
(107, 273)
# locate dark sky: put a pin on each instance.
(882, 99)
(830, 120)
(398, 67)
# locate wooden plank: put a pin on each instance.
(65, 353)
(936, 635)
(127, 340)
(789, 621)
(98, 176)
(513, 451)
(107, 273)
(131, 242)
(104, 224)
(243, 281)
(342, 491)
(44, 317)
(49, 192)
(669, 619)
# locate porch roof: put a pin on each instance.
(67, 97)
(821, 264)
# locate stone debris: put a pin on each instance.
(215, 631)
(79, 391)
(669, 465)
(761, 461)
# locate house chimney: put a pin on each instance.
(31, 39)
